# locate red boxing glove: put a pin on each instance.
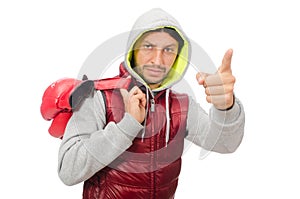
(56, 97)
(59, 123)
(64, 96)
(60, 98)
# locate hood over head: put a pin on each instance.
(152, 20)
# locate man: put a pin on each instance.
(127, 142)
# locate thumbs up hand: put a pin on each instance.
(219, 86)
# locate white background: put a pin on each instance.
(42, 41)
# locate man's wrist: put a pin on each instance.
(230, 107)
(129, 125)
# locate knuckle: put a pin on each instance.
(207, 91)
(233, 79)
(208, 99)
(229, 88)
(228, 98)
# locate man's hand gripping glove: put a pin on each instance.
(60, 99)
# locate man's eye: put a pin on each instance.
(169, 50)
(148, 46)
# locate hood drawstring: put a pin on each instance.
(147, 103)
(167, 117)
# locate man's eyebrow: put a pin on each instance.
(171, 45)
(145, 41)
(168, 45)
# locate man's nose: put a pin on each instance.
(157, 57)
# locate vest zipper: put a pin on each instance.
(153, 149)
(152, 107)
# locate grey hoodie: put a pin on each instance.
(89, 144)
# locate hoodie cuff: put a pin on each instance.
(130, 126)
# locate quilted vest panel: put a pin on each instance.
(150, 167)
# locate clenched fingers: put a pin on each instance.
(219, 90)
(221, 102)
(134, 102)
(216, 79)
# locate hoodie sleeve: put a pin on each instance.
(219, 131)
(89, 144)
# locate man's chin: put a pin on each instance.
(153, 81)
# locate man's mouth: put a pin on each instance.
(155, 69)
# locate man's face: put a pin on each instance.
(155, 54)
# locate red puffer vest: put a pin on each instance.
(150, 167)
